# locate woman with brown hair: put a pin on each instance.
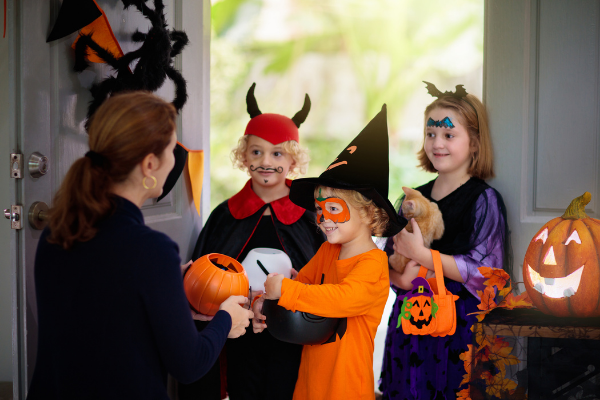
(113, 316)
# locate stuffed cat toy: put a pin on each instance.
(427, 215)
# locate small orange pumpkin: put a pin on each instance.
(561, 267)
(211, 280)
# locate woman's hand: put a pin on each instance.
(294, 274)
(258, 322)
(240, 316)
(273, 286)
(410, 245)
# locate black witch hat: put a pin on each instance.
(363, 166)
(72, 16)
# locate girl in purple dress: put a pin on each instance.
(457, 146)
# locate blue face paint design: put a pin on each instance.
(445, 123)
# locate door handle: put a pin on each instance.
(38, 215)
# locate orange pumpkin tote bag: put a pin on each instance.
(446, 315)
(427, 310)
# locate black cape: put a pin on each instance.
(227, 231)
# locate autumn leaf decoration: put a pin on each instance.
(505, 298)
(486, 362)
(486, 366)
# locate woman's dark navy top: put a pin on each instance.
(113, 316)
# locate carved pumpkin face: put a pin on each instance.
(561, 267)
(211, 280)
(418, 310)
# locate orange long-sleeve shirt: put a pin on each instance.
(356, 288)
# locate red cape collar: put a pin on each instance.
(245, 203)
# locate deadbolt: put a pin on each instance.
(38, 215)
(38, 165)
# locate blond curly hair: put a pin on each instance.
(376, 217)
(299, 155)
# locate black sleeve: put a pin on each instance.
(187, 353)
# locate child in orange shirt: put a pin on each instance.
(348, 277)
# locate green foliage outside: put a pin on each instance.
(350, 56)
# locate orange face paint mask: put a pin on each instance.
(332, 208)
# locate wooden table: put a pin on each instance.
(529, 322)
(563, 354)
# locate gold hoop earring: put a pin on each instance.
(146, 186)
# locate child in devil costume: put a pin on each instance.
(348, 277)
(261, 215)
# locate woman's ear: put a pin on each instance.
(149, 164)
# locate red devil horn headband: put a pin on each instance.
(254, 111)
(300, 116)
(251, 104)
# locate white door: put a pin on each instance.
(541, 87)
(47, 103)
(6, 196)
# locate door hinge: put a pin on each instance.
(15, 214)
(16, 166)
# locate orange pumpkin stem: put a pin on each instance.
(576, 209)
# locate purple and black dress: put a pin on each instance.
(476, 234)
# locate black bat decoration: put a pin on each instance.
(459, 93)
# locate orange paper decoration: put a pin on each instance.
(103, 35)
(211, 280)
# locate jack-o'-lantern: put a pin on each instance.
(417, 315)
(561, 267)
(211, 280)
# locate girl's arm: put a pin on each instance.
(488, 241)
(411, 246)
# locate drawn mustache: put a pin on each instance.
(278, 169)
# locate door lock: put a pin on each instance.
(37, 165)
(14, 213)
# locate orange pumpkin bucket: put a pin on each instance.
(211, 280)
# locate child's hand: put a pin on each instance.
(404, 280)
(294, 273)
(185, 267)
(410, 245)
(258, 322)
(273, 286)
(201, 317)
